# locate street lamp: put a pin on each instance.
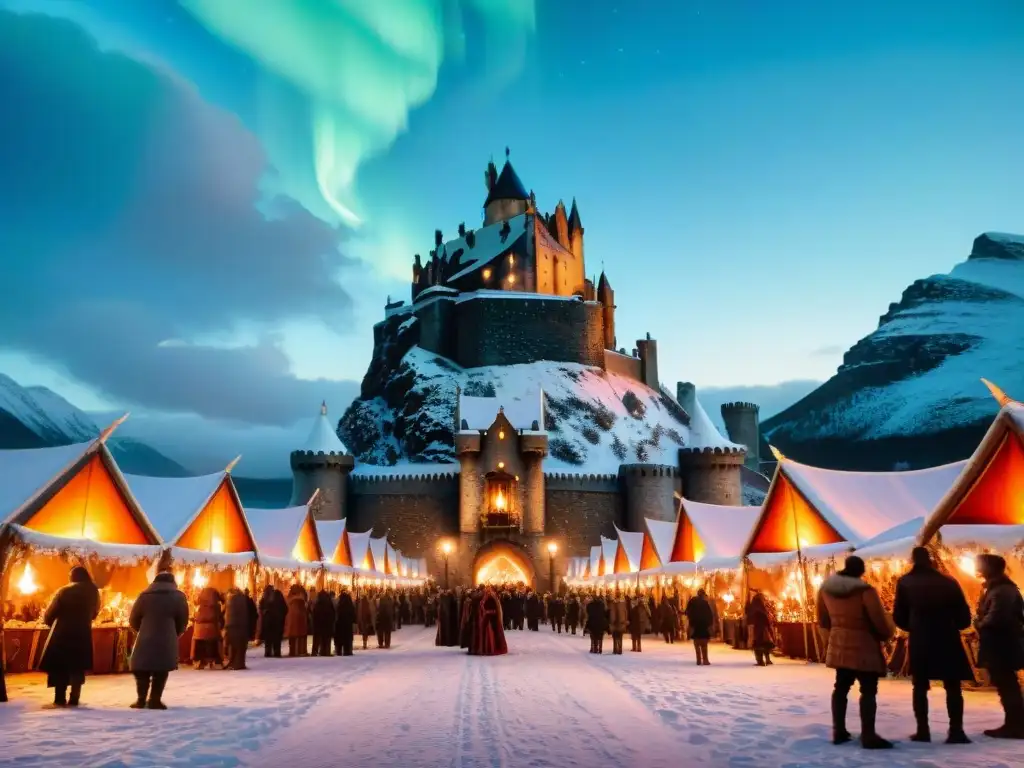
(446, 548)
(552, 549)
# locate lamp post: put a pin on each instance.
(446, 548)
(552, 549)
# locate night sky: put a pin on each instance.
(204, 203)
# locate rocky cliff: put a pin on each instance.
(595, 420)
(909, 395)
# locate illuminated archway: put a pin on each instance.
(503, 561)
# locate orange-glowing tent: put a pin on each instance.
(73, 497)
(379, 555)
(985, 505)
(595, 561)
(608, 549)
(198, 517)
(359, 550)
(628, 552)
(826, 511)
(334, 542)
(285, 538)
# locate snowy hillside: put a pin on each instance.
(37, 417)
(918, 374)
(595, 420)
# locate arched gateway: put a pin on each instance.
(503, 561)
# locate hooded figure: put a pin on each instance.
(490, 631)
(67, 655)
(208, 625)
(272, 612)
(1000, 624)
(447, 621)
(344, 624)
(236, 628)
(323, 624)
(854, 624)
(296, 621)
(366, 616)
(160, 617)
(932, 609)
(700, 618)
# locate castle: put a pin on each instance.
(511, 501)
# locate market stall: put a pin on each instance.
(288, 549)
(63, 507)
(338, 571)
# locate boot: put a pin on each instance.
(868, 738)
(156, 693)
(60, 696)
(839, 733)
(920, 700)
(955, 708)
(76, 694)
(141, 692)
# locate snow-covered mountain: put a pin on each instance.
(596, 420)
(909, 393)
(37, 417)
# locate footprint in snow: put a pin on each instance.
(698, 738)
(668, 714)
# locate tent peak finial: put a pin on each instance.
(1001, 397)
(106, 433)
(231, 465)
(323, 407)
(777, 453)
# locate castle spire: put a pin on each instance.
(574, 218)
(323, 407)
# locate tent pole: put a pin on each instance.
(803, 575)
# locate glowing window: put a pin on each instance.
(501, 434)
(501, 465)
(487, 274)
(511, 279)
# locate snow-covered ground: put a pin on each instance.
(548, 703)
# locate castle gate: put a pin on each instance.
(503, 561)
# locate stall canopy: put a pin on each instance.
(73, 492)
(394, 562)
(712, 534)
(660, 540)
(989, 493)
(608, 549)
(595, 561)
(284, 536)
(809, 507)
(202, 514)
(359, 550)
(629, 551)
(334, 541)
(379, 554)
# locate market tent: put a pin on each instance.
(629, 551)
(284, 537)
(421, 568)
(334, 541)
(608, 549)
(379, 555)
(394, 561)
(989, 492)
(809, 507)
(895, 542)
(662, 536)
(712, 532)
(72, 493)
(359, 550)
(196, 515)
(595, 561)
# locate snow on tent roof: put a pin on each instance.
(990, 490)
(379, 553)
(359, 548)
(323, 438)
(663, 536)
(723, 529)
(488, 244)
(608, 549)
(172, 503)
(833, 506)
(276, 530)
(26, 474)
(125, 553)
(522, 411)
(908, 529)
(627, 556)
(332, 536)
(595, 561)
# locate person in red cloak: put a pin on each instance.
(490, 639)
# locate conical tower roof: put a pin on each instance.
(574, 218)
(508, 186)
(323, 438)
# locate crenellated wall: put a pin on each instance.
(712, 475)
(649, 491)
(329, 473)
(581, 508)
(743, 425)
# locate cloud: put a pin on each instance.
(130, 215)
(772, 398)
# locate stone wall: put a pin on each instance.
(577, 515)
(436, 318)
(624, 365)
(326, 472)
(649, 491)
(509, 331)
(415, 513)
(712, 475)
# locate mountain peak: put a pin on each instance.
(998, 245)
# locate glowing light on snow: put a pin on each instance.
(27, 584)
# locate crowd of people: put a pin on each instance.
(930, 607)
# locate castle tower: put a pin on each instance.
(561, 228)
(506, 195)
(647, 349)
(743, 426)
(606, 296)
(649, 491)
(575, 232)
(712, 475)
(324, 463)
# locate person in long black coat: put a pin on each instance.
(572, 613)
(999, 620)
(344, 624)
(597, 624)
(533, 612)
(448, 621)
(932, 609)
(67, 655)
(273, 609)
(556, 612)
(323, 623)
(700, 618)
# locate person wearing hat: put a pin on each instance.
(159, 617)
(930, 606)
(854, 624)
(67, 655)
(1000, 624)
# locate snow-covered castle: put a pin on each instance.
(499, 416)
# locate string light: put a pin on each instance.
(487, 274)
